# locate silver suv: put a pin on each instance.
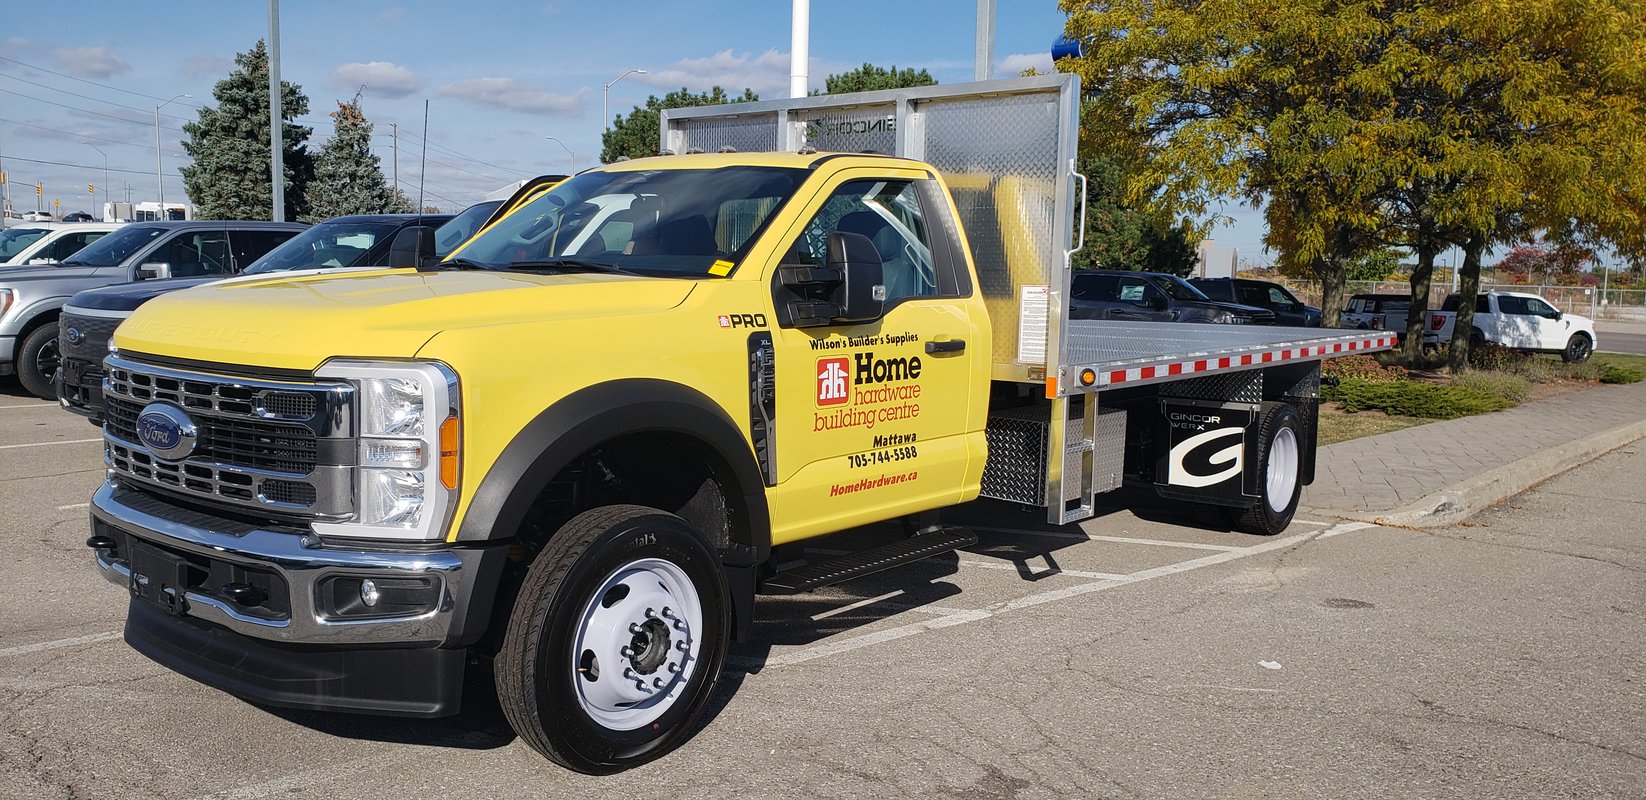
(31, 297)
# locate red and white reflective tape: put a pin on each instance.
(1117, 377)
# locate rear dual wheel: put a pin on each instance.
(1280, 467)
(616, 640)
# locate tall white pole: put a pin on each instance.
(277, 154)
(985, 40)
(159, 182)
(800, 47)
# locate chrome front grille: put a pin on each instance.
(276, 446)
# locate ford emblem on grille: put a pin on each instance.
(166, 431)
(74, 336)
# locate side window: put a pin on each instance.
(70, 244)
(195, 253)
(1512, 305)
(252, 245)
(888, 213)
(1483, 304)
(1539, 307)
(1253, 296)
(1133, 290)
(1278, 297)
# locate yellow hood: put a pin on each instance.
(299, 322)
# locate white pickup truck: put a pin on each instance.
(1517, 321)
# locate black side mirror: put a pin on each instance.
(848, 288)
(412, 247)
(862, 291)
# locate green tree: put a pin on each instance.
(348, 177)
(1376, 265)
(1122, 235)
(229, 143)
(869, 77)
(637, 135)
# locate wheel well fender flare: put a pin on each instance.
(590, 416)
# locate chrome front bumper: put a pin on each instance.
(462, 580)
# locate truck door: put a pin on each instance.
(879, 419)
(1552, 330)
(1517, 326)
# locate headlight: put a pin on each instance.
(6, 296)
(407, 463)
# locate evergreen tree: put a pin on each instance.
(229, 178)
(637, 135)
(348, 177)
(869, 77)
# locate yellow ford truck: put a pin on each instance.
(568, 452)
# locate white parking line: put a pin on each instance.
(1050, 570)
(48, 444)
(836, 646)
(71, 506)
(31, 405)
(55, 644)
(1083, 537)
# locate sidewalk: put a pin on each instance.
(1439, 472)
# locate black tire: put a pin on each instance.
(37, 361)
(541, 691)
(1578, 349)
(1476, 339)
(1280, 439)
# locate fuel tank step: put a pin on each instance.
(868, 562)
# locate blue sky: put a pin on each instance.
(499, 76)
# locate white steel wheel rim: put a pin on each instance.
(1282, 472)
(637, 644)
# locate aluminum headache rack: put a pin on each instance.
(1007, 150)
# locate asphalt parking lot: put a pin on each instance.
(1133, 656)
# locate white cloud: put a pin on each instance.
(206, 67)
(89, 62)
(514, 95)
(1012, 65)
(767, 73)
(382, 78)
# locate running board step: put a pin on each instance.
(868, 562)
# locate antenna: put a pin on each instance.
(424, 166)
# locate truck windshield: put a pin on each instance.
(667, 222)
(458, 229)
(16, 240)
(1177, 288)
(328, 245)
(115, 248)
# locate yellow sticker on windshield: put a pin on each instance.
(721, 268)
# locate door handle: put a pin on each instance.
(946, 346)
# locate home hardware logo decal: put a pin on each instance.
(833, 388)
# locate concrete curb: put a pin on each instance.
(1455, 502)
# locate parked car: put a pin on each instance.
(1519, 321)
(1376, 312)
(31, 298)
(38, 216)
(88, 320)
(78, 216)
(1153, 297)
(50, 242)
(1287, 308)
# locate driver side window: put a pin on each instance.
(195, 253)
(888, 214)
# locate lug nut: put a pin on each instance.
(668, 612)
(674, 668)
(681, 646)
(651, 613)
(629, 673)
(634, 628)
(626, 652)
(657, 683)
(679, 624)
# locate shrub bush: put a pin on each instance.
(1614, 374)
(1362, 367)
(1414, 398)
(1507, 385)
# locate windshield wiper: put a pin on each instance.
(571, 265)
(465, 263)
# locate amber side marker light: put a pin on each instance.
(1088, 377)
(448, 453)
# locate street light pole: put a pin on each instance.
(159, 182)
(105, 176)
(568, 152)
(605, 118)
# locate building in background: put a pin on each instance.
(146, 212)
(1214, 261)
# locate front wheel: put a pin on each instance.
(37, 361)
(1280, 461)
(616, 640)
(1577, 349)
